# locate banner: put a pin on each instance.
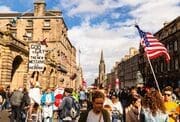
(36, 57)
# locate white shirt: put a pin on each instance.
(108, 102)
(48, 98)
(118, 106)
(93, 117)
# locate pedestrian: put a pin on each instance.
(2, 98)
(171, 106)
(35, 96)
(67, 111)
(47, 101)
(117, 109)
(153, 107)
(132, 112)
(82, 96)
(97, 113)
(58, 95)
(25, 104)
(16, 100)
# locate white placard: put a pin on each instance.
(36, 57)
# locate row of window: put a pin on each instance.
(30, 23)
(172, 65)
(173, 45)
(29, 33)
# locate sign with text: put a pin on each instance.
(36, 57)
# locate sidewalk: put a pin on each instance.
(4, 116)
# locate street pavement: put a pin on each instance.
(4, 116)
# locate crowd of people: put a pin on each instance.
(140, 104)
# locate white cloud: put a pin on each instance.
(87, 7)
(93, 39)
(151, 15)
(115, 15)
(5, 9)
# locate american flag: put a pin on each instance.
(152, 47)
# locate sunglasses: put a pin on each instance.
(167, 95)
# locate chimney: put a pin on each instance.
(39, 8)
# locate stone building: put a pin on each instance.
(129, 71)
(13, 60)
(19, 30)
(126, 70)
(112, 77)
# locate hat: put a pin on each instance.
(68, 90)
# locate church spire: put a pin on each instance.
(102, 57)
(102, 71)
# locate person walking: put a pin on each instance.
(132, 112)
(68, 111)
(153, 107)
(2, 98)
(16, 100)
(47, 101)
(172, 108)
(25, 104)
(97, 113)
(117, 109)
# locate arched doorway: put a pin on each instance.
(16, 74)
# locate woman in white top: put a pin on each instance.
(117, 109)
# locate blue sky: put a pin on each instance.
(95, 25)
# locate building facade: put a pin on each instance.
(32, 27)
(166, 73)
(125, 70)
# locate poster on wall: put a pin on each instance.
(36, 57)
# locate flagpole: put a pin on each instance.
(154, 75)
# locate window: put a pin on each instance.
(46, 23)
(168, 66)
(58, 53)
(14, 34)
(29, 23)
(176, 64)
(175, 46)
(171, 47)
(155, 69)
(29, 35)
(162, 67)
(172, 65)
(167, 47)
(1, 35)
(174, 29)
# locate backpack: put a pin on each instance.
(16, 98)
(75, 109)
(67, 111)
